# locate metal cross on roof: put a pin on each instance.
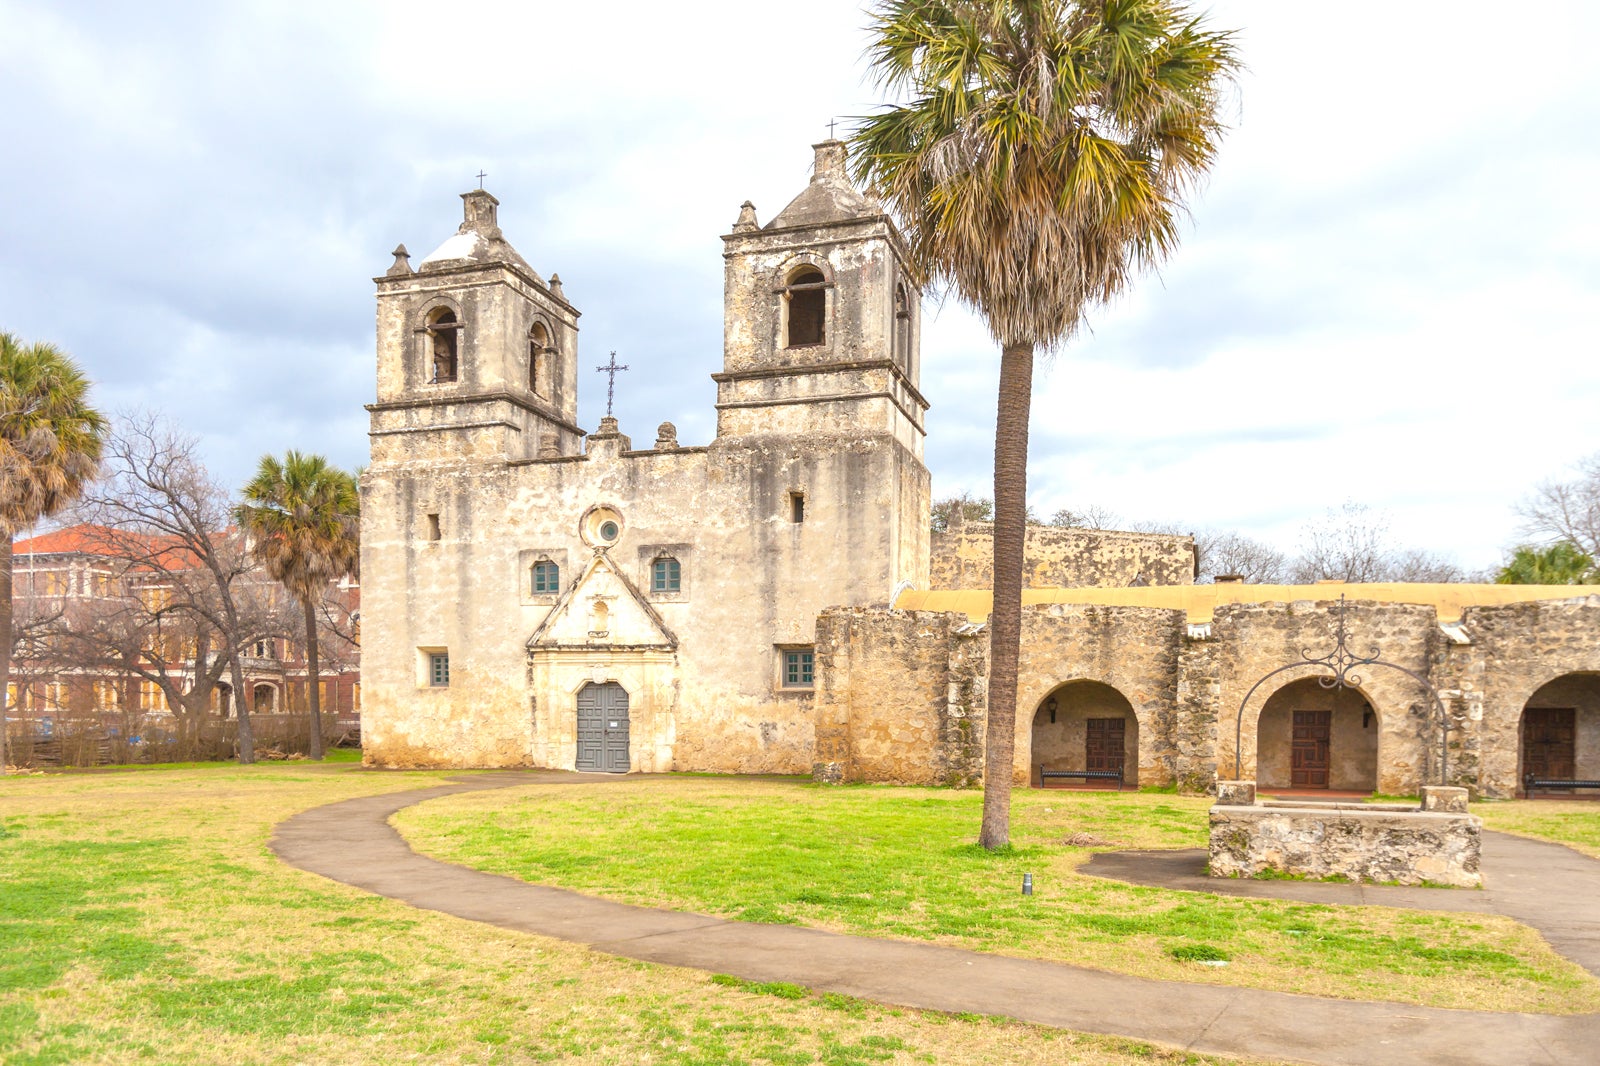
(831, 123)
(611, 386)
(481, 175)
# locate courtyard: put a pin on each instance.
(144, 918)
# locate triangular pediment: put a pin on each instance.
(603, 609)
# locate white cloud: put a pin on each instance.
(1388, 293)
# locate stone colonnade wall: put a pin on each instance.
(902, 696)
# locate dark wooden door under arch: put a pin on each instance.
(603, 728)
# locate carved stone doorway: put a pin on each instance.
(603, 729)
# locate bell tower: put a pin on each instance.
(477, 353)
(821, 309)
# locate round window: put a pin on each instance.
(601, 526)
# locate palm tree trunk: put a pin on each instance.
(312, 678)
(5, 641)
(1005, 617)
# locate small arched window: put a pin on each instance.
(538, 359)
(666, 575)
(902, 327)
(546, 577)
(444, 346)
(805, 299)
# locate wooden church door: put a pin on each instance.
(1309, 754)
(603, 729)
(1548, 747)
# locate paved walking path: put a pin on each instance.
(352, 842)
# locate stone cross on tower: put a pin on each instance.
(611, 386)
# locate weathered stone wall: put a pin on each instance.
(900, 697)
(962, 557)
(1515, 652)
(1384, 846)
(726, 519)
(1193, 722)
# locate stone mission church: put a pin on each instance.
(538, 597)
(774, 602)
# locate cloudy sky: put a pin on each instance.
(1389, 292)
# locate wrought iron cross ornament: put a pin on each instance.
(481, 175)
(611, 386)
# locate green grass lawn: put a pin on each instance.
(142, 919)
(1575, 823)
(899, 862)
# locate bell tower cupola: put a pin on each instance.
(820, 317)
(477, 353)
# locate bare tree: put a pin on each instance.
(1349, 543)
(1091, 517)
(137, 633)
(160, 511)
(1233, 554)
(1352, 543)
(1567, 510)
(1415, 564)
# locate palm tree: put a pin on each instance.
(1561, 563)
(1037, 167)
(304, 516)
(50, 441)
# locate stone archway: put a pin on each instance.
(1085, 725)
(1312, 737)
(264, 698)
(1559, 736)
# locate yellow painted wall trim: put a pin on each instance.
(1200, 601)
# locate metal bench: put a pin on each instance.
(1554, 784)
(1084, 775)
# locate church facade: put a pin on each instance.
(537, 596)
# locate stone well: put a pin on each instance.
(1437, 843)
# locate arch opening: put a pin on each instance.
(902, 330)
(538, 359)
(444, 346)
(1085, 725)
(805, 301)
(1315, 738)
(1559, 734)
